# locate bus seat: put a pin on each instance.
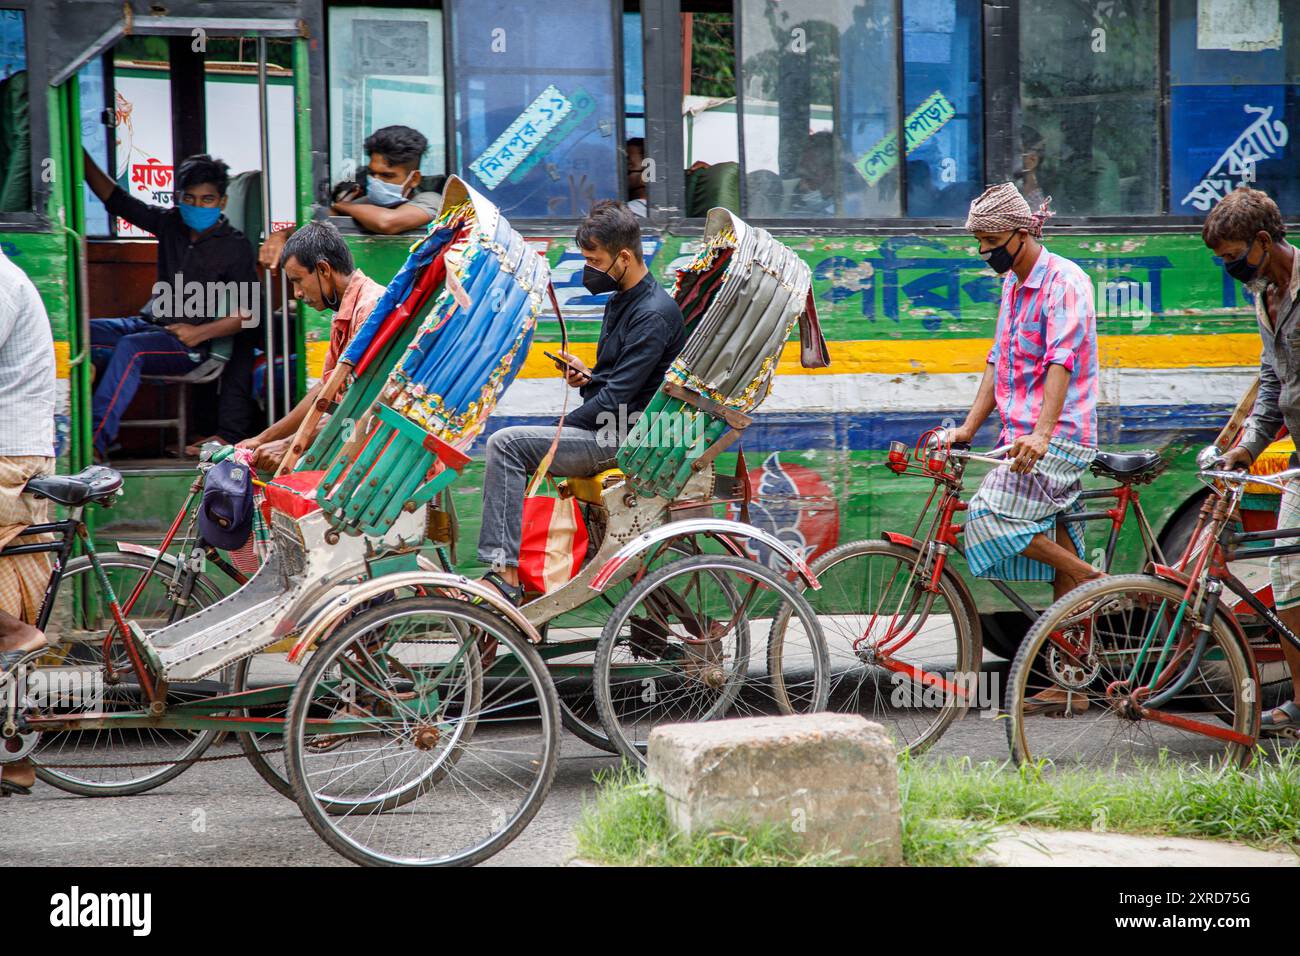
(710, 186)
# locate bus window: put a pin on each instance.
(944, 121)
(633, 76)
(385, 69)
(818, 96)
(1235, 104)
(15, 131)
(96, 135)
(1089, 83)
(538, 127)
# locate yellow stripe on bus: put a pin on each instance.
(903, 356)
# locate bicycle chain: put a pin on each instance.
(148, 763)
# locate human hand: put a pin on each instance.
(191, 335)
(577, 373)
(1236, 458)
(268, 455)
(1026, 451)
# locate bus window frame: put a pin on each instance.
(616, 8)
(999, 28)
(35, 22)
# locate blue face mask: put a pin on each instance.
(384, 194)
(200, 218)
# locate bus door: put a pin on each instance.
(139, 98)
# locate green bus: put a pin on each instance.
(1135, 116)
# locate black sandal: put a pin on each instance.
(8, 788)
(514, 593)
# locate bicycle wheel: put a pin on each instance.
(113, 762)
(693, 641)
(403, 750)
(1070, 694)
(270, 670)
(901, 652)
(569, 649)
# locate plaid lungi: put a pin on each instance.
(1284, 570)
(1009, 509)
(23, 578)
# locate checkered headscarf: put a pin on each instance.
(1001, 207)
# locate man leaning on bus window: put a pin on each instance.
(196, 245)
(26, 450)
(392, 200)
(1245, 231)
(319, 265)
(1041, 376)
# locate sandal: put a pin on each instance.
(1288, 724)
(1055, 702)
(514, 593)
(8, 788)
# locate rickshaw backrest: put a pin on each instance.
(740, 298)
(438, 350)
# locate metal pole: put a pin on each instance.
(269, 307)
(286, 396)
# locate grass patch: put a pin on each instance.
(1259, 805)
(951, 809)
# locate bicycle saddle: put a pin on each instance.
(1128, 466)
(96, 483)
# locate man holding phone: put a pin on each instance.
(641, 333)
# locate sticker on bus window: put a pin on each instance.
(521, 137)
(922, 123)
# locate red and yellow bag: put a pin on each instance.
(553, 542)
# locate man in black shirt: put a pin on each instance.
(207, 289)
(641, 333)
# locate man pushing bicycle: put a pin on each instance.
(1245, 231)
(1041, 376)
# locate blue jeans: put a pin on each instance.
(513, 454)
(123, 350)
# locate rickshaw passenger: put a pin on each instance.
(641, 333)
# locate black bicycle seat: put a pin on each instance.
(96, 483)
(1128, 466)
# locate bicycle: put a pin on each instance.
(902, 627)
(1156, 664)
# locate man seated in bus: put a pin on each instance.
(319, 265)
(172, 335)
(392, 200)
(1041, 376)
(641, 333)
(1245, 231)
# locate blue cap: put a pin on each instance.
(226, 512)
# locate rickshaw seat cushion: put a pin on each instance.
(592, 490)
(294, 494)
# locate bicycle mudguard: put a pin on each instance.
(894, 537)
(740, 297)
(691, 526)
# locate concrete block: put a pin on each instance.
(833, 778)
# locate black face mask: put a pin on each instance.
(1001, 261)
(1240, 269)
(320, 281)
(597, 282)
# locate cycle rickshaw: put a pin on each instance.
(420, 722)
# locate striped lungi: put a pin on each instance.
(23, 578)
(1284, 570)
(1009, 509)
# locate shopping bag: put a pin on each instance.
(553, 542)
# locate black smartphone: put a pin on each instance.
(563, 362)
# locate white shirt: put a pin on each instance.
(26, 366)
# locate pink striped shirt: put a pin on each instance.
(1047, 320)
